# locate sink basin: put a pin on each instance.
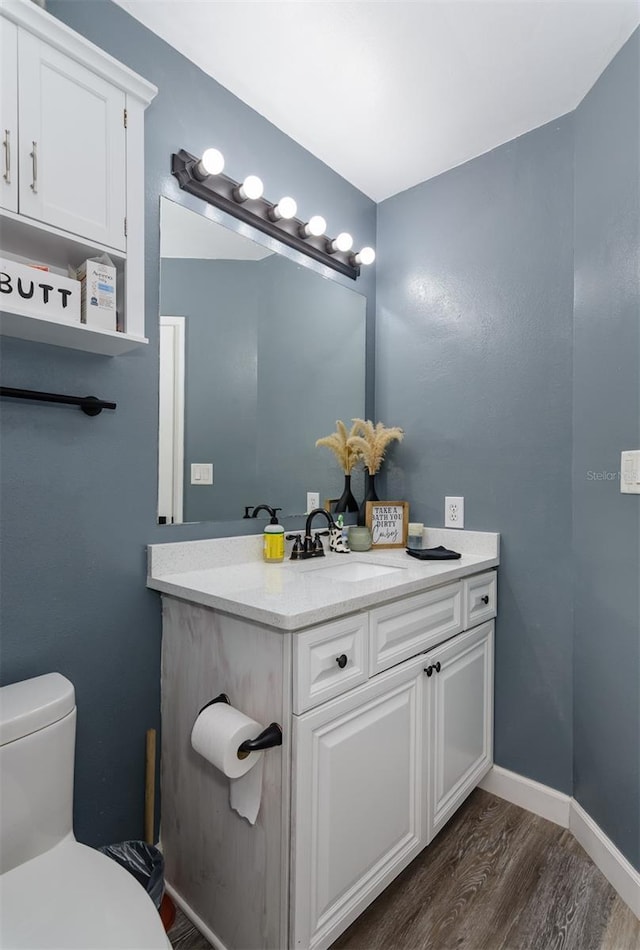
(352, 571)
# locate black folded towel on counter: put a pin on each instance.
(434, 554)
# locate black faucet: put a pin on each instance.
(311, 547)
(273, 512)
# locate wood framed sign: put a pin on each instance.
(388, 522)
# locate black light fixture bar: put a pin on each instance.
(90, 405)
(218, 190)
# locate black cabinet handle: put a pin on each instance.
(428, 670)
(485, 599)
(437, 666)
(342, 660)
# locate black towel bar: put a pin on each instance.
(90, 405)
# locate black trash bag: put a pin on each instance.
(145, 862)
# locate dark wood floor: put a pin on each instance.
(495, 878)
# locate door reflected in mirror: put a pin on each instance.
(259, 356)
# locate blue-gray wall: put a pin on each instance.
(475, 297)
(508, 346)
(79, 494)
(606, 419)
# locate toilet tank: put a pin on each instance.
(37, 745)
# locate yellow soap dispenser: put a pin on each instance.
(273, 542)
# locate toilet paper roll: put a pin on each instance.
(218, 732)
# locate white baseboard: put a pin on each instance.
(540, 799)
(607, 858)
(214, 940)
(565, 811)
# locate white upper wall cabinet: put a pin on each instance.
(9, 114)
(72, 145)
(72, 186)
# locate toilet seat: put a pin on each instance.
(74, 898)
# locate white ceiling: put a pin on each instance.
(391, 93)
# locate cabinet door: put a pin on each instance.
(459, 722)
(356, 818)
(9, 114)
(72, 145)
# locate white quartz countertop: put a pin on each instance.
(227, 575)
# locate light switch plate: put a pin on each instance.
(630, 473)
(454, 511)
(202, 473)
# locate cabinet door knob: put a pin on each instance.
(437, 666)
(428, 670)
(485, 599)
(342, 660)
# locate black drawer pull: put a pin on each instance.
(485, 599)
(437, 666)
(342, 660)
(428, 670)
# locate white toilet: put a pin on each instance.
(57, 894)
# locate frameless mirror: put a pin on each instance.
(259, 356)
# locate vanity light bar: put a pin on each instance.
(244, 200)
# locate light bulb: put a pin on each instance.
(251, 187)
(211, 163)
(286, 208)
(366, 256)
(315, 226)
(344, 242)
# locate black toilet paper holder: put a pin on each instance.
(268, 738)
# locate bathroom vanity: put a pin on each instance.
(379, 669)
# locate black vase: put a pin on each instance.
(370, 494)
(346, 501)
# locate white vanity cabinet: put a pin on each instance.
(387, 716)
(72, 186)
(378, 772)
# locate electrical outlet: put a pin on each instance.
(313, 500)
(453, 512)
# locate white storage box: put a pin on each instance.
(98, 294)
(38, 293)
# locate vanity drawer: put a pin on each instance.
(329, 660)
(407, 627)
(480, 593)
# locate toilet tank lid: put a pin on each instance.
(32, 704)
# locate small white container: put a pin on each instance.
(98, 294)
